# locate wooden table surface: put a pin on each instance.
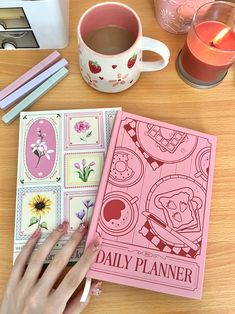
(160, 95)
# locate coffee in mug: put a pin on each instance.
(110, 40)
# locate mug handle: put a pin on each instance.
(157, 47)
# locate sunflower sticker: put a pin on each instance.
(39, 205)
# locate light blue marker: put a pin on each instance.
(35, 95)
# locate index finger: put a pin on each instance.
(75, 276)
(22, 259)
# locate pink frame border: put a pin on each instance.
(65, 173)
(69, 116)
(67, 195)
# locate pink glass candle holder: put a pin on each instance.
(209, 49)
(175, 16)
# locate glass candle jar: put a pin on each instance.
(209, 49)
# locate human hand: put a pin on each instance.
(26, 293)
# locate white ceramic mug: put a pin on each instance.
(116, 72)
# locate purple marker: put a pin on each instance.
(34, 71)
(31, 85)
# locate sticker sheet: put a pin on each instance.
(60, 162)
(153, 206)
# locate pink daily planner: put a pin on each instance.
(153, 205)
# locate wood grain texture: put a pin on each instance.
(159, 95)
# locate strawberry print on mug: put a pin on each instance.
(131, 61)
(94, 67)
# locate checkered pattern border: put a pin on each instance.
(131, 130)
(162, 246)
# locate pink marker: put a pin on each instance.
(31, 85)
(34, 71)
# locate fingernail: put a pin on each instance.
(96, 244)
(96, 289)
(83, 226)
(63, 227)
(36, 233)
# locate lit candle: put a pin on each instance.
(209, 49)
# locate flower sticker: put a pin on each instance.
(39, 205)
(83, 127)
(40, 148)
(120, 79)
(81, 213)
(84, 170)
(88, 204)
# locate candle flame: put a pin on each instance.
(220, 35)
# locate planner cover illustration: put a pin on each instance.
(61, 157)
(152, 208)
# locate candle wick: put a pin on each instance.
(212, 44)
